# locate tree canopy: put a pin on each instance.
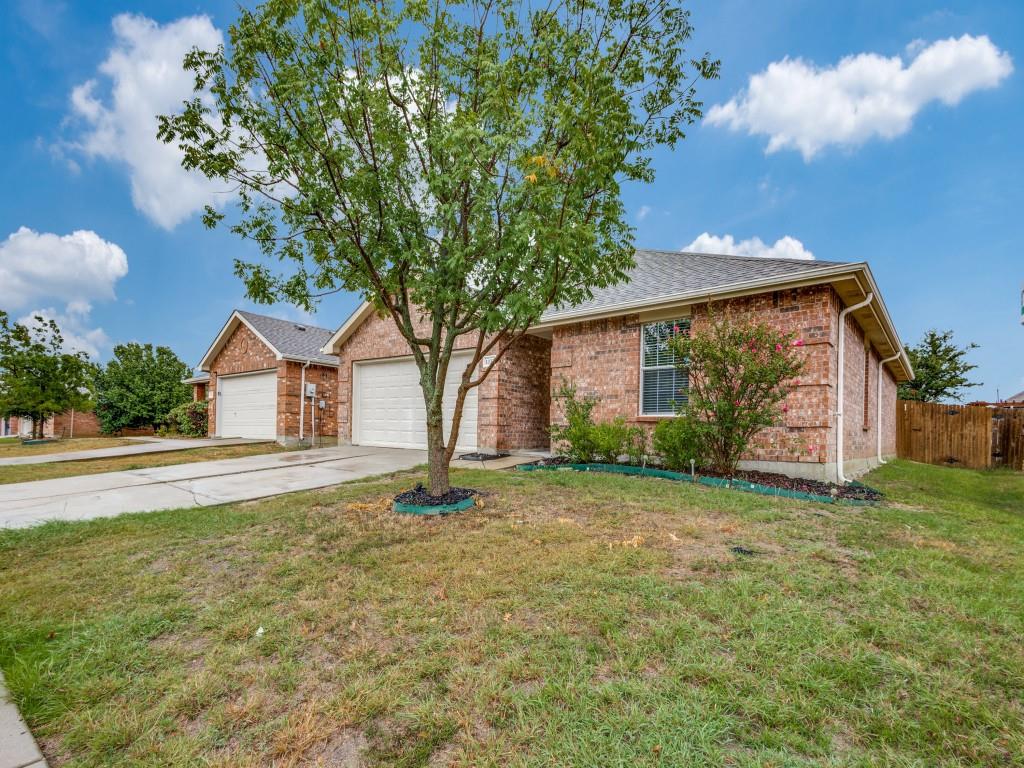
(459, 164)
(38, 377)
(139, 387)
(940, 369)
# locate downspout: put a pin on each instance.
(302, 400)
(878, 404)
(840, 424)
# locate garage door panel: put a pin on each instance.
(247, 405)
(389, 410)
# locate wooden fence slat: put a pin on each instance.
(963, 436)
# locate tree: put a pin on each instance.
(458, 164)
(139, 387)
(940, 369)
(739, 376)
(37, 377)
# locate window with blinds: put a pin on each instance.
(663, 384)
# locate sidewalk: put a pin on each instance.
(144, 445)
(17, 747)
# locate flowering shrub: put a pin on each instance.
(740, 374)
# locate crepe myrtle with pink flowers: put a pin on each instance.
(740, 373)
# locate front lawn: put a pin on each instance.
(23, 473)
(573, 620)
(12, 446)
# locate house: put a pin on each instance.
(267, 378)
(1017, 399)
(612, 346)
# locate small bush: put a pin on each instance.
(636, 446)
(575, 438)
(678, 441)
(610, 439)
(190, 419)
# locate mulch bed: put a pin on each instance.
(482, 456)
(853, 491)
(420, 496)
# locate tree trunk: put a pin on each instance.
(437, 455)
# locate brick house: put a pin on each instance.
(613, 346)
(255, 373)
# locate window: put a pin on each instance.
(662, 384)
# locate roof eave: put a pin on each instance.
(347, 328)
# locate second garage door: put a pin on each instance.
(247, 405)
(388, 410)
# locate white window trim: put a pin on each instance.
(640, 402)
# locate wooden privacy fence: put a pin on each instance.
(973, 436)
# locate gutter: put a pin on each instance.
(302, 400)
(841, 394)
(878, 405)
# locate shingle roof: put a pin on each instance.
(292, 339)
(663, 274)
(1018, 398)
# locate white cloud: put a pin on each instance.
(73, 270)
(803, 107)
(80, 267)
(144, 75)
(643, 212)
(73, 324)
(784, 248)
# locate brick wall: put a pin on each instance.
(602, 358)
(73, 423)
(243, 352)
(512, 402)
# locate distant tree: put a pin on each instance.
(139, 387)
(940, 369)
(37, 377)
(458, 164)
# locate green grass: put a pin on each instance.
(574, 620)
(23, 473)
(12, 446)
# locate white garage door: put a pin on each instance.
(247, 405)
(388, 410)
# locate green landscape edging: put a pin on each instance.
(440, 509)
(714, 482)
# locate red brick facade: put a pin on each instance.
(244, 352)
(73, 424)
(602, 358)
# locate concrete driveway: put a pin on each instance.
(194, 485)
(144, 445)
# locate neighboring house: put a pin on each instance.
(253, 374)
(613, 346)
(11, 426)
(1018, 398)
(72, 424)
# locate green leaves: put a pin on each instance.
(37, 377)
(386, 149)
(139, 387)
(940, 369)
(740, 374)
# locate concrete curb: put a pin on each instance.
(17, 747)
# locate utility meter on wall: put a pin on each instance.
(311, 390)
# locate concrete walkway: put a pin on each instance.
(194, 485)
(145, 445)
(17, 747)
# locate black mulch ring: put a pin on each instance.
(422, 498)
(854, 491)
(482, 456)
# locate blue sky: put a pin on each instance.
(908, 155)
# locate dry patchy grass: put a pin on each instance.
(48, 471)
(571, 620)
(13, 447)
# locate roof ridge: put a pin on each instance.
(738, 257)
